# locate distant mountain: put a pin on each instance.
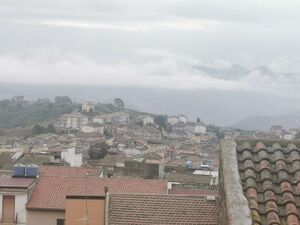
(220, 107)
(233, 72)
(265, 122)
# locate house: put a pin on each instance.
(98, 119)
(70, 156)
(277, 131)
(173, 120)
(14, 193)
(72, 121)
(200, 129)
(183, 119)
(147, 119)
(115, 118)
(149, 209)
(58, 199)
(88, 107)
(261, 183)
(90, 128)
(288, 136)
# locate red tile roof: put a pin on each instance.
(16, 182)
(51, 191)
(148, 209)
(271, 180)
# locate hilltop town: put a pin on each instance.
(95, 148)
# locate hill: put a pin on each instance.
(265, 122)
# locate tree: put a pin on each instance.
(98, 151)
(198, 120)
(119, 103)
(63, 100)
(161, 121)
(38, 129)
(297, 135)
(51, 128)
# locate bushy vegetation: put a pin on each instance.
(98, 151)
(21, 114)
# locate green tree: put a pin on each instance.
(38, 129)
(98, 151)
(161, 121)
(51, 128)
(297, 135)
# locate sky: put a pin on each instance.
(151, 43)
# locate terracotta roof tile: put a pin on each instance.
(18, 182)
(51, 191)
(271, 182)
(162, 209)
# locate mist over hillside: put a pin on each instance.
(213, 106)
(265, 122)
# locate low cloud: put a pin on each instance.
(52, 66)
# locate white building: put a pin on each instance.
(173, 120)
(200, 129)
(87, 107)
(147, 120)
(115, 118)
(183, 118)
(14, 193)
(288, 136)
(69, 156)
(92, 129)
(72, 121)
(98, 119)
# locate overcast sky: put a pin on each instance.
(151, 43)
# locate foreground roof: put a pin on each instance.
(162, 209)
(15, 182)
(51, 191)
(269, 180)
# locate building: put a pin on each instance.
(183, 119)
(147, 209)
(73, 121)
(115, 118)
(88, 107)
(146, 120)
(200, 129)
(56, 199)
(261, 183)
(14, 193)
(90, 128)
(173, 120)
(277, 131)
(70, 156)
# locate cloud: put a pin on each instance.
(52, 66)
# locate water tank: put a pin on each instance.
(32, 170)
(19, 170)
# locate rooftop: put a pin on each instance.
(162, 209)
(15, 182)
(51, 191)
(270, 181)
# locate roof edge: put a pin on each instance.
(237, 207)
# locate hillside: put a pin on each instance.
(21, 114)
(265, 122)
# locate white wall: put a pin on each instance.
(69, 156)
(20, 206)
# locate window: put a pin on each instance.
(60, 222)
